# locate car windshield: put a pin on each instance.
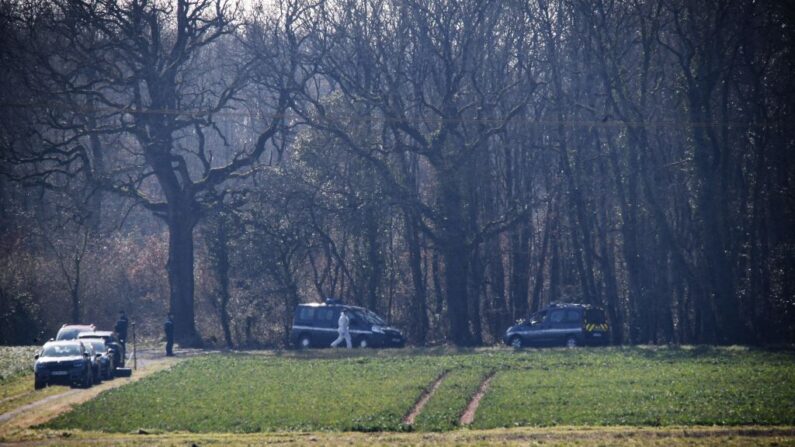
(537, 317)
(369, 317)
(61, 351)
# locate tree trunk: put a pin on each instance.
(520, 269)
(75, 293)
(476, 279)
(499, 310)
(374, 259)
(454, 255)
(419, 328)
(180, 278)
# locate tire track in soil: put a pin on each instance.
(469, 414)
(425, 396)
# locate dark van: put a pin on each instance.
(561, 325)
(315, 326)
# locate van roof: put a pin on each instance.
(574, 305)
(345, 306)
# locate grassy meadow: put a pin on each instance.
(374, 391)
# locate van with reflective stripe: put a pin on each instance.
(315, 326)
(561, 325)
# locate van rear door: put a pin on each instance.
(595, 326)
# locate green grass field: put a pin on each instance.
(15, 361)
(374, 391)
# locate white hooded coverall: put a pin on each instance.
(343, 331)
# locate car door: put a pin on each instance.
(571, 326)
(554, 330)
(533, 334)
(326, 323)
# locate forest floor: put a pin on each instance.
(615, 396)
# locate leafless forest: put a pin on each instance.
(452, 165)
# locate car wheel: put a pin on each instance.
(363, 343)
(516, 342)
(304, 342)
(571, 342)
(39, 384)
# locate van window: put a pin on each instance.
(572, 316)
(556, 316)
(538, 317)
(306, 314)
(325, 315)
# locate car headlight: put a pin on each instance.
(38, 367)
(378, 329)
(78, 363)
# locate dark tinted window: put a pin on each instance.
(324, 315)
(306, 313)
(572, 316)
(556, 316)
(595, 316)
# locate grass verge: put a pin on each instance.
(548, 436)
(18, 391)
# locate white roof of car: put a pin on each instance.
(94, 334)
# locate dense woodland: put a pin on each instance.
(452, 165)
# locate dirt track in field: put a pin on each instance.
(43, 410)
(424, 398)
(469, 414)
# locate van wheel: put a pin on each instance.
(516, 342)
(571, 342)
(304, 342)
(363, 343)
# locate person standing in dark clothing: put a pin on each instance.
(121, 328)
(169, 328)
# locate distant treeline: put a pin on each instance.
(452, 165)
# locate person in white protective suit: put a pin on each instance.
(343, 330)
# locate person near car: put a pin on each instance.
(121, 328)
(168, 327)
(343, 329)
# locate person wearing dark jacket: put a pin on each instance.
(168, 327)
(121, 328)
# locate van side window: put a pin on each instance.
(325, 315)
(556, 316)
(306, 314)
(572, 316)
